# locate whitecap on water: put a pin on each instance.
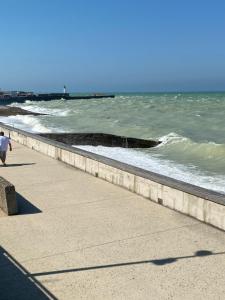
(25, 122)
(171, 138)
(42, 110)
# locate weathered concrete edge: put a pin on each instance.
(8, 202)
(200, 203)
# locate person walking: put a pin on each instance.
(4, 143)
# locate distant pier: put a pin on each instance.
(20, 97)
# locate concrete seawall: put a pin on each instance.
(202, 204)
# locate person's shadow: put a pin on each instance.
(17, 165)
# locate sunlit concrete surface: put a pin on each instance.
(79, 237)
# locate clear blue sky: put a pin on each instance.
(112, 45)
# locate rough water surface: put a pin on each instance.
(190, 126)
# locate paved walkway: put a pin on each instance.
(79, 237)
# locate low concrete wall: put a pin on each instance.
(7, 197)
(205, 205)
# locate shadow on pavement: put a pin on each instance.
(15, 283)
(25, 207)
(17, 165)
(18, 284)
(158, 262)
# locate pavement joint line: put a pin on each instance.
(111, 242)
(126, 197)
(82, 203)
(41, 183)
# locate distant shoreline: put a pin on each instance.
(171, 92)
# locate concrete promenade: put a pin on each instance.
(79, 237)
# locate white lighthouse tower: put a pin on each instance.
(64, 89)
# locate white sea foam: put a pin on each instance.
(189, 174)
(171, 138)
(26, 122)
(41, 110)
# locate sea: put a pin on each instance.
(191, 127)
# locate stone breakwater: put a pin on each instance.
(100, 139)
(6, 111)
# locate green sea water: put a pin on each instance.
(190, 126)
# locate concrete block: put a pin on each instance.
(79, 161)
(8, 197)
(31, 143)
(124, 179)
(172, 198)
(65, 156)
(178, 200)
(58, 153)
(16, 137)
(184, 208)
(72, 158)
(43, 148)
(51, 151)
(92, 167)
(195, 206)
(108, 173)
(116, 176)
(147, 188)
(142, 187)
(160, 193)
(154, 188)
(214, 214)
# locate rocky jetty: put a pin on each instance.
(100, 139)
(6, 111)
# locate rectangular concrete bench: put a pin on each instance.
(8, 202)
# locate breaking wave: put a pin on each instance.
(26, 122)
(37, 108)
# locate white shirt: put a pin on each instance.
(4, 142)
